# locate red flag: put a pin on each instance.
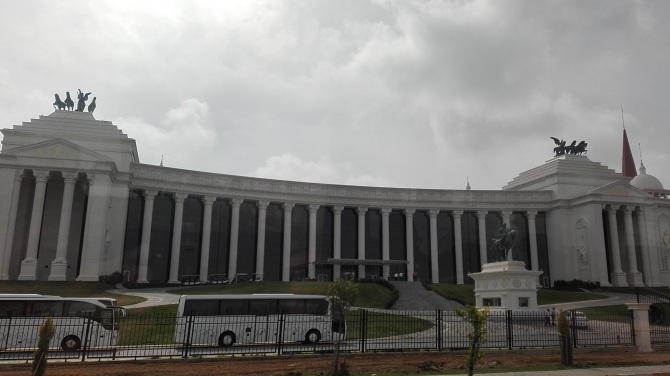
(627, 162)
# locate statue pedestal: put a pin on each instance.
(506, 285)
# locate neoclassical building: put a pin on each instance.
(77, 204)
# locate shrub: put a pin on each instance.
(111, 279)
(575, 285)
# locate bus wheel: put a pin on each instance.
(313, 336)
(227, 338)
(70, 343)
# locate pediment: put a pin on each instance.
(57, 149)
(620, 189)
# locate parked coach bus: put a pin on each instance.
(90, 321)
(248, 319)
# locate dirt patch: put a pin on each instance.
(407, 363)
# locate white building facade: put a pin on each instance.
(77, 204)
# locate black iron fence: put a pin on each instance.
(659, 312)
(165, 336)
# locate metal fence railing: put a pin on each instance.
(659, 312)
(165, 336)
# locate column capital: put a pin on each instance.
(506, 212)
(481, 214)
(180, 197)
(91, 178)
(531, 213)
(208, 200)
(457, 213)
(149, 195)
(41, 175)
(69, 176)
(236, 202)
(288, 206)
(313, 208)
(361, 210)
(433, 213)
(628, 209)
(337, 209)
(409, 211)
(263, 204)
(386, 211)
(612, 208)
(640, 211)
(18, 174)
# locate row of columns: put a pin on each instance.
(208, 201)
(29, 263)
(633, 277)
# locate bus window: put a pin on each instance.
(292, 306)
(234, 307)
(201, 308)
(262, 307)
(13, 309)
(316, 307)
(46, 308)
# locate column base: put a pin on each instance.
(635, 279)
(92, 278)
(618, 279)
(28, 270)
(174, 282)
(58, 270)
(605, 284)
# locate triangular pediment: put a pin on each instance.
(620, 189)
(57, 149)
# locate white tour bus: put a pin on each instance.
(75, 320)
(247, 319)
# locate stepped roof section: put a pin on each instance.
(76, 128)
(567, 176)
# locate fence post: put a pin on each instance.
(573, 328)
(640, 313)
(438, 326)
(86, 339)
(362, 332)
(280, 334)
(187, 334)
(508, 313)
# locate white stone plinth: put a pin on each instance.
(506, 285)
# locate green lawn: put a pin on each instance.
(78, 289)
(465, 294)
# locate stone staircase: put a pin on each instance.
(413, 297)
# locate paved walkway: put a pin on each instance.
(154, 296)
(663, 370)
(413, 297)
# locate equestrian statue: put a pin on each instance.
(503, 243)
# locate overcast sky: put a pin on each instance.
(385, 93)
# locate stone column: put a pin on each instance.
(409, 235)
(11, 226)
(507, 218)
(311, 253)
(361, 239)
(434, 262)
(234, 237)
(532, 234)
(29, 264)
(179, 199)
(208, 202)
(59, 264)
(385, 241)
(483, 250)
(260, 239)
(634, 277)
(647, 269)
(641, 325)
(146, 236)
(337, 239)
(617, 275)
(458, 240)
(286, 261)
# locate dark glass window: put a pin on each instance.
(246, 248)
(299, 242)
(274, 237)
(422, 245)
(445, 248)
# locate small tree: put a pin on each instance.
(46, 332)
(342, 295)
(566, 338)
(477, 335)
